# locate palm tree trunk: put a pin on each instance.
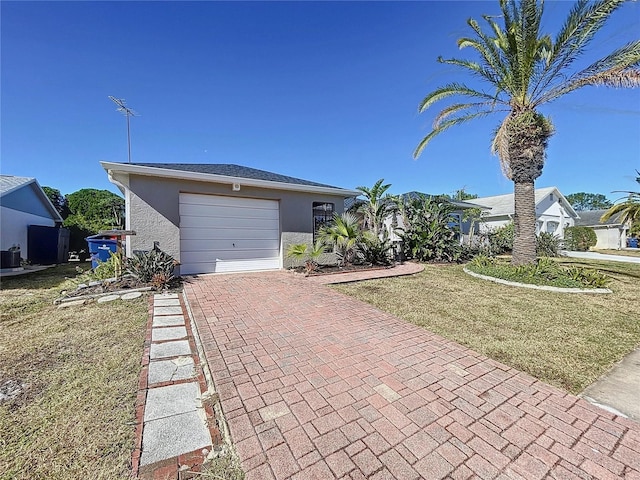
(524, 241)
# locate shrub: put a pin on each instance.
(153, 267)
(579, 239)
(109, 269)
(343, 234)
(501, 239)
(427, 234)
(375, 250)
(547, 245)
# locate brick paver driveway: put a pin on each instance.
(315, 384)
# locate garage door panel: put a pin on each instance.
(229, 223)
(217, 211)
(234, 254)
(225, 244)
(213, 233)
(199, 199)
(211, 225)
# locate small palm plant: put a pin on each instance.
(344, 234)
(309, 254)
(629, 209)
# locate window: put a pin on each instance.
(322, 215)
(552, 226)
(538, 226)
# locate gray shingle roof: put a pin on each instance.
(231, 170)
(9, 183)
(591, 218)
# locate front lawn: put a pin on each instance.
(79, 367)
(567, 340)
(624, 253)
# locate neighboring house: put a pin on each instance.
(553, 212)
(220, 217)
(611, 234)
(23, 204)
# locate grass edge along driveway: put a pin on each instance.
(81, 364)
(566, 340)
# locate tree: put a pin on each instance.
(377, 206)
(344, 234)
(588, 201)
(95, 210)
(525, 69)
(58, 201)
(629, 209)
(462, 195)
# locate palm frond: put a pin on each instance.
(458, 107)
(620, 69)
(476, 68)
(444, 126)
(629, 210)
(450, 90)
(583, 22)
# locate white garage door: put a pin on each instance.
(228, 234)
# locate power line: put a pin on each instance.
(122, 107)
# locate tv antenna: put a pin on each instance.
(122, 107)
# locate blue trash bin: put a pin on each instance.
(633, 242)
(100, 248)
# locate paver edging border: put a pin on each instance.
(537, 287)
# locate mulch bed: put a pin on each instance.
(333, 269)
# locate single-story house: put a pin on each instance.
(221, 217)
(23, 204)
(553, 212)
(611, 234)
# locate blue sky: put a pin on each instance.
(324, 91)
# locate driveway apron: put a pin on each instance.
(318, 385)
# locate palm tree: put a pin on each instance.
(344, 234)
(629, 209)
(377, 206)
(524, 70)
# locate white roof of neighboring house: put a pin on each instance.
(11, 183)
(501, 205)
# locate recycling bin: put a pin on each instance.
(100, 248)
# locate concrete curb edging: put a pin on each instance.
(537, 287)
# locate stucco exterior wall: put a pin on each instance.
(14, 227)
(153, 210)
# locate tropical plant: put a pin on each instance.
(375, 250)
(579, 239)
(377, 206)
(629, 209)
(428, 231)
(343, 234)
(526, 69)
(309, 254)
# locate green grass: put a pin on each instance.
(81, 365)
(567, 340)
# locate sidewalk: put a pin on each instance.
(175, 428)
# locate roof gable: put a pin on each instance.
(24, 194)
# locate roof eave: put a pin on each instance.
(209, 177)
